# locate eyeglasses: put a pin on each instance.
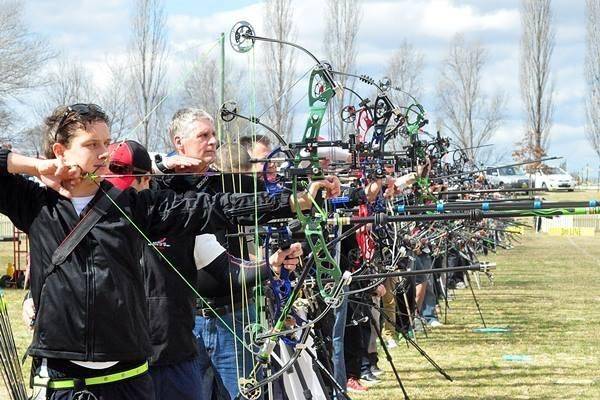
(118, 168)
(79, 110)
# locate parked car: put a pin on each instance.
(554, 178)
(507, 177)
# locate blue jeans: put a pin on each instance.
(230, 359)
(339, 327)
(430, 301)
(428, 308)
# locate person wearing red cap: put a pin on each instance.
(91, 331)
(129, 162)
(173, 378)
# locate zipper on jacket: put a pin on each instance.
(89, 303)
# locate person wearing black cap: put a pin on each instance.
(91, 330)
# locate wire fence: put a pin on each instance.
(6, 228)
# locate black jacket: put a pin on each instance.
(213, 184)
(92, 307)
(220, 294)
(171, 302)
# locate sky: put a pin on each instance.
(95, 32)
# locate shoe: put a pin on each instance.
(391, 344)
(435, 323)
(354, 385)
(376, 371)
(369, 379)
(461, 285)
(418, 325)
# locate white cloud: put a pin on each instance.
(444, 19)
(189, 31)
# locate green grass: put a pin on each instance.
(22, 335)
(6, 255)
(577, 195)
(547, 290)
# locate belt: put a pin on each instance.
(219, 310)
(70, 383)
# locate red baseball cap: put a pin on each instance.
(128, 159)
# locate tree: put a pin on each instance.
(32, 140)
(592, 74)
(341, 31)
(468, 115)
(280, 66)
(537, 45)
(201, 87)
(22, 56)
(148, 70)
(404, 70)
(68, 83)
(115, 101)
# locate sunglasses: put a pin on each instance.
(118, 168)
(79, 110)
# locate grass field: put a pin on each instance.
(577, 195)
(547, 290)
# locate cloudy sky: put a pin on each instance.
(95, 32)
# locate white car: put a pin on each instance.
(554, 178)
(507, 177)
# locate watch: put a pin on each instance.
(158, 160)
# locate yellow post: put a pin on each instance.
(10, 269)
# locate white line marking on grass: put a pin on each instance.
(584, 251)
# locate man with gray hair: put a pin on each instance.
(192, 132)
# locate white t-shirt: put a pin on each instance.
(206, 249)
(80, 203)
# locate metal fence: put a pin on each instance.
(6, 227)
(571, 223)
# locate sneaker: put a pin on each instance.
(391, 344)
(354, 385)
(418, 324)
(435, 323)
(369, 379)
(376, 371)
(461, 285)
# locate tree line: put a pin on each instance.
(137, 89)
